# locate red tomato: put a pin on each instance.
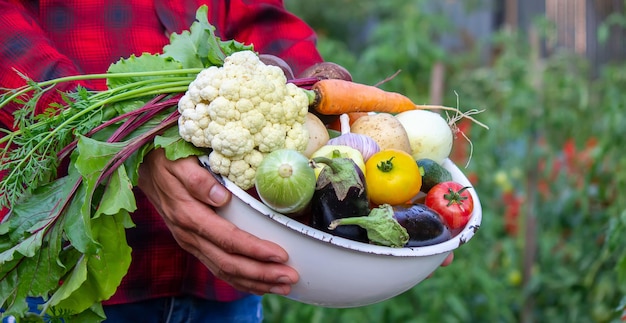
(452, 201)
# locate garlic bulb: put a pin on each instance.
(365, 144)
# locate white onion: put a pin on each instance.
(429, 133)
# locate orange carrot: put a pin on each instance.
(336, 97)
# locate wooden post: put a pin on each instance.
(529, 216)
(437, 76)
(511, 11)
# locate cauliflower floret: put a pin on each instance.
(243, 110)
(254, 121)
(298, 99)
(297, 137)
(239, 171)
(230, 89)
(272, 137)
(204, 87)
(242, 173)
(222, 110)
(219, 163)
(205, 77)
(212, 130)
(254, 158)
(192, 122)
(208, 93)
(233, 141)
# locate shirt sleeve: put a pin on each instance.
(25, 50)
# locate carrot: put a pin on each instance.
(336, 97)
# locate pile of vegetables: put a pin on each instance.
(64, 237)
(366, 188)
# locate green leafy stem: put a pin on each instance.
(38, 158)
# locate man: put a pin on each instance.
(188, 264)
(177, 234)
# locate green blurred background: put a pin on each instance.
(550, 76)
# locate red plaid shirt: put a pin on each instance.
(52, 38)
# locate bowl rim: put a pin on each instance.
(461, 238)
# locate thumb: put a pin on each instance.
(199, 182)
(219, 195)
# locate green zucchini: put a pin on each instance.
(432, 174)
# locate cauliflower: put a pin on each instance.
(243, 111)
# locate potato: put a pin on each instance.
(318, 134)
(385, 129)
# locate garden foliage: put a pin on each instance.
(548, 171)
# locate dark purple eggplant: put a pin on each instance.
(339, 193)
(424, 225)
(413, 225)
(380, 225)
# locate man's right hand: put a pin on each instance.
(185, 193)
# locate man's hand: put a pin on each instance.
(184, 193)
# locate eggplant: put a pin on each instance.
(411, 225)
(423, 224)
(380, 225)
(339, 193)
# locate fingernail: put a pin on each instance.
(284, 280)
(276, 259)
(278, 290)
(218, 194)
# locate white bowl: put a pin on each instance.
(338, 272)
